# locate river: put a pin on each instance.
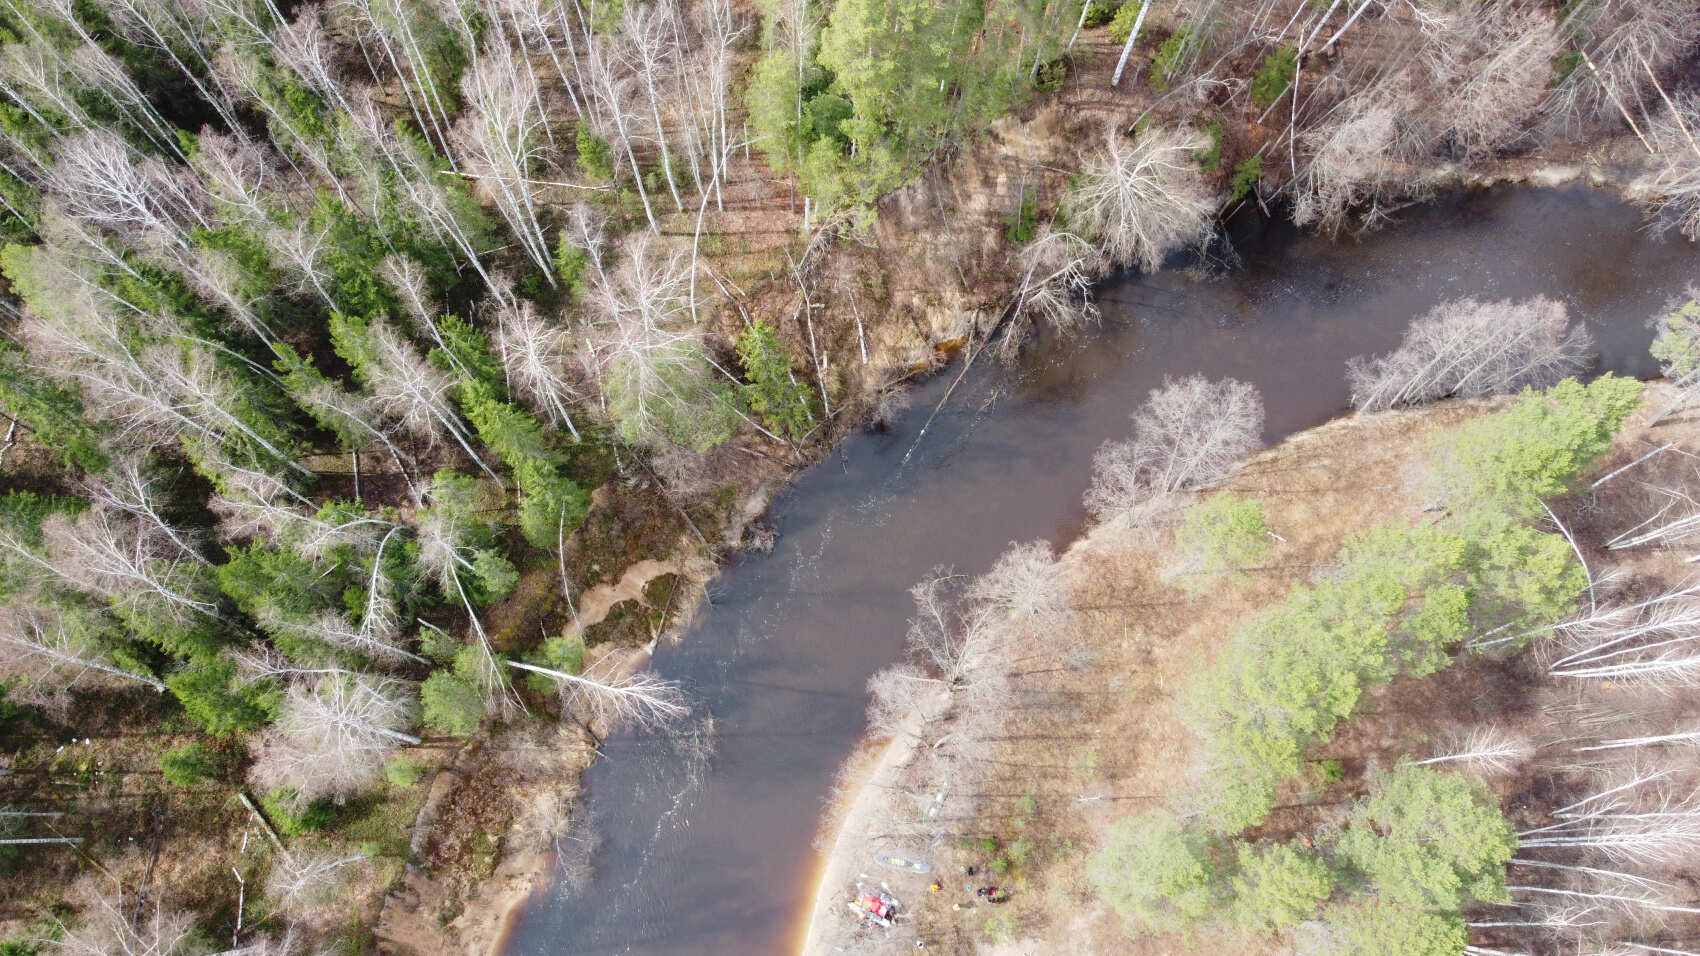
(715, 855)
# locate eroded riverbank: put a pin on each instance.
(714, 856)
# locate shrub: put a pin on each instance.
(281, 808)
(190, 764)
(1246, 177)
(595, 159)
(1274, 77)
(773, 393)
(403, 773)
(1100, 12)
(1121, 24)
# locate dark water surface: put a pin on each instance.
(716, 856)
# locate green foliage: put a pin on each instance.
(1219, 536)
(1278, 887)
(1023, 221)
(1121, 23)
(777, 398)
(564, 654)
(451, 705)
(1051, 75)
(1246, 177)
(674, 398)
(464, 351)
(570, 261)
(1509, 461)
(1431, 840)
(1677, 344)
(595, 158)
(52, 412)
(1100, 12)
(402, 774)
(1210, 158)
(1157, 875)
(1374, 927)
(1275, 76)
(282, 808)
(1293, 672)
(190, 765)
(1173, 54)
(206, 690)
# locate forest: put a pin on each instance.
(352, 349)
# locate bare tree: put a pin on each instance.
(1354, 163)
(1468, 348)
(1142, 200)
(1029, 589)
(651, 364)
(538, 358)
(302, 881)
(1055, 289)
(107, 924)
(1674, 186)
(45, 657)
(1190, 433)
(499, 139)
(107, 552)
(334, 735)
(1491, 67)
(1490, 751)
(639, 700)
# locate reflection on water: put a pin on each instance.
(713, 853)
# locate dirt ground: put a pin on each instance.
(1105, 739)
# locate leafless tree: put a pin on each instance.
(1028, 588)
(304, 880)
(1674, 187)
(1467, 347)
(1142, 200)
(499, 140)
(1354, 163)
(1055, 289)
(108, 924)
(650, 362)
(103, 182)
(334, 735)
(1491, 67)
(1620, 45)
(639, 700)
(538, 358)
(44, 658)
(413, 393)
(1490, 751)
(1190, 433)
(107, 552)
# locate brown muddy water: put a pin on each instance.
(714, 854)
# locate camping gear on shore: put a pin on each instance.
(875, 907)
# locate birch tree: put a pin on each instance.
(1468, 348)
(653, 369)
(499, 140)
(334, 736)
(1141, 200)
(1190, 433)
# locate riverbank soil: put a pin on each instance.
(1099, 733)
